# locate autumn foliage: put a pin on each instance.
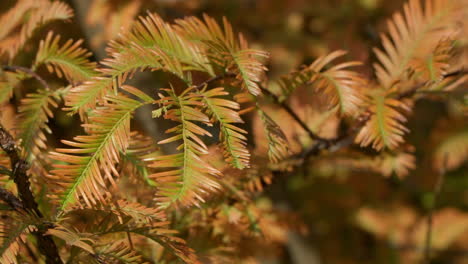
(215, 159)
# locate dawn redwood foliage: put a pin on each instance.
(111, 195)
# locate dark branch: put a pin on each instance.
(10, 199)
(430, 213)
(284, 106)
(455, 73)
(19, 167)
(214, 79)
(413, 90)
(453, 252)
(13, 68)
(342, 141)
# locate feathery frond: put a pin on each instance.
(113, 192)
(249, 67)
(159, 234)
(414, 35)
(153, 34)
(436, 63)
(232, 137)
(138, 156)
(107, 224)
(11, 236)
(68, 60)
(452, 152)
(399, 163)
(254, 179)
(6, 91)
(85, 97)
(72, 238)
(384, 128)
(42, 13)
(95, 154)
(341, 87)
(152, 44)
(292, 81)
(8, 82)
(121, 67)
(14, 16)
(35, 111)
(118, 252)
(226, 51)
(277, 143)
(140, 213)
(188, 177)
(109, 19)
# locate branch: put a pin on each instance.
(453, 252)
(312, 135)
(10, 199)
(430, 213)
(348, 138)
(410, 92)
(277, 101)
(455, 73)
(19, 167)
(13, 68)
(336, 144)
(214, 79)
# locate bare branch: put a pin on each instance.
(10, 199)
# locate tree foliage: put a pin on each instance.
(226, 128)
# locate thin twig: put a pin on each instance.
(336, 144)
(453, 252)
(130, 242)
(214, 79)
(455, 73)
(14, 68)
(430, 213)
(284, 106)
